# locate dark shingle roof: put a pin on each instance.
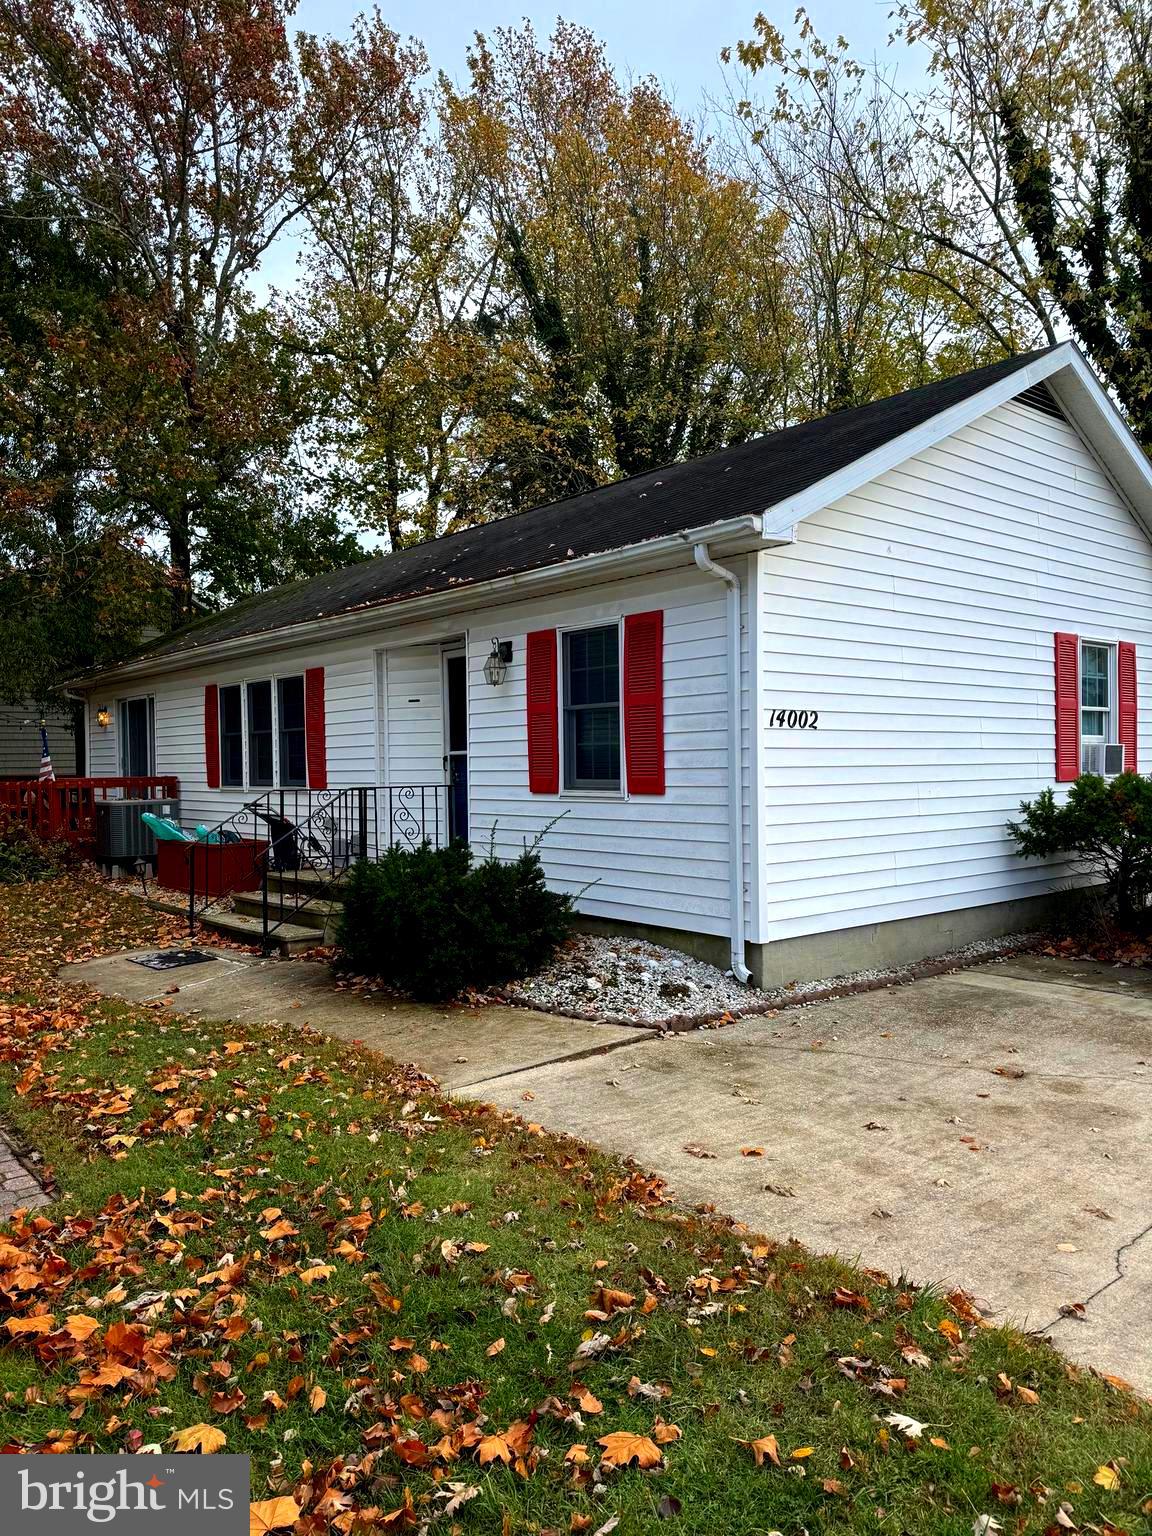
(733, 482)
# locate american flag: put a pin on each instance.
(46, 769)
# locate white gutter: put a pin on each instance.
(735, 758)
(402, 610)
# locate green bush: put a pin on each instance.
(24, 856)
(431, 922)
(1105, 828)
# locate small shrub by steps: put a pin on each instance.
(431, 921)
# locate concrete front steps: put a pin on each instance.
(303, 927)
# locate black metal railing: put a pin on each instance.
(361, 823)
(303, 838)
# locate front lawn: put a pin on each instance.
(410, 1311)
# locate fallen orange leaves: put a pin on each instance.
(623, 1447)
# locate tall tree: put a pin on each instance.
(637, 284)
(1059, 94)
(77, 584)
(393, 277)
(172, 137)
(903, 273)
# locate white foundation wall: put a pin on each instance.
(917, 617)
(656, 860)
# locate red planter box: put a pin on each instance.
(220, 867)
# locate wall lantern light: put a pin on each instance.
(496, 666)
(103, 717)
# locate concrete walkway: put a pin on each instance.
(465, 1048)
(988, 1129)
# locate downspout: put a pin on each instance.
(735, 757)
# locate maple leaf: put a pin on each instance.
(764, 1447)
(79, 1326)
(622, 1447)
(1107, 1477)
(495, 1348)
(493, 1448)
(279, 1229)
(950, 1330)
(272, 1515)
(43, 1322)
(842, 1297)
(317, 1398)
(586, 1402)
(204, 1438)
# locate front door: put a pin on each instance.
(456, 741)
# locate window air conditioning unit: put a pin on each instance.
(121, 837)
(1103, 757)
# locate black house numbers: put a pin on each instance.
(794, 719)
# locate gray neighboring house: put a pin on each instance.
(20, 741)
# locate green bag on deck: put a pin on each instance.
(166, 829)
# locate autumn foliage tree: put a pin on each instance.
(637, 287)
(1013, 187)
(171, 139)
(392, 279)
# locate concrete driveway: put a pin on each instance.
(990, 1129)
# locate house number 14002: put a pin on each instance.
(794, 719)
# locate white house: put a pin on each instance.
(782, 699)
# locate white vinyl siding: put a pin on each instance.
(657, 859)
(917, 616)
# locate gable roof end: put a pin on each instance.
(1072, 384)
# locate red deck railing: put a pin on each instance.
(66, 808)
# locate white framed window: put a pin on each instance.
(136, 720)
(1098, 716)
(590, 691)
(262, 734)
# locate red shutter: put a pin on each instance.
(1126, 701)
(1067, 708)
(644, 702)
(543, 714)
(212, 735)
(315, 745)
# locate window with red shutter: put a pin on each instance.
(1067, 652)
(314, 728)
(212, 736)
(644, 702)
(1126, 702)
(542, 713)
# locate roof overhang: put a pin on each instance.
(1073, 384)
(730, 537)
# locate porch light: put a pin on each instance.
(103, 717)
(496, 666)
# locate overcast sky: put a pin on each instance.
(679, 41)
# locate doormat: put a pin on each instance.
(169, 959)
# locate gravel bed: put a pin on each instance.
(631, 981)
